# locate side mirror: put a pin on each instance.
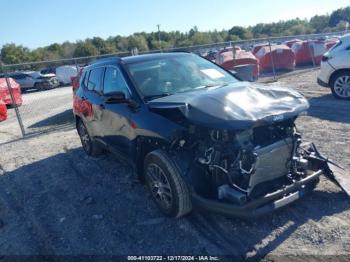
(115, 98)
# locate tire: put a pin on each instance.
(168, 189)
(312, 185)
(340, 85)
(37, 86)
(90, 146)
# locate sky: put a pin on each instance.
(36, 23)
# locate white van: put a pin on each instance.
(64, 74)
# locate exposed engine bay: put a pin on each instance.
(237, 166)
(243, 152)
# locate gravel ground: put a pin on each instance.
(56, 200)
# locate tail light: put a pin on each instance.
(75, 83)
(325, 58)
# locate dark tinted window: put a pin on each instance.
(20, 76)
(95, 79)
(114, 81)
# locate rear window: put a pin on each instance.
(95, 80)
(336, 45)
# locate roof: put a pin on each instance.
(134, 59)
(105, 61)
(148, 57)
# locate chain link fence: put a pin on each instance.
(45, 102)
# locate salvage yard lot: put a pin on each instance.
(56, 200)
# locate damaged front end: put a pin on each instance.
(256, 168)
(255, 171)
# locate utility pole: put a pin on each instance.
(160, 43)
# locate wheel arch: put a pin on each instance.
(145, 145)
(337, 72)
(77, 119)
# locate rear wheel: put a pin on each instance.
(37, 86)
(90, 146)
(340, 85)
(164, 181)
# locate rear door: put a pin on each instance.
(93, 97)
(28, 81)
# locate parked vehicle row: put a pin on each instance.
(279, 56)
(35, 80)
(332, 54)
(44, 79)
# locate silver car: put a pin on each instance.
(35, 80)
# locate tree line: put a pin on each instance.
(336, 21)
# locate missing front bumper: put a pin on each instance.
(262, 205)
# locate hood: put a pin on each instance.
(239, 105)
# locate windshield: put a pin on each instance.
(174, 74)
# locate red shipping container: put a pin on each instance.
(5, 94)
(283, 58)
(290, 43)
(257, 47)
(309, 52)
(3, 111)
(242, 57)
(229, 48)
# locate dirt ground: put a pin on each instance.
(54, 200)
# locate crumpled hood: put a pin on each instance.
(239, 105)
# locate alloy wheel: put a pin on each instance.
(84, 137)
(342, 86)
(159, 186)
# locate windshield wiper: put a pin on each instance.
(150, 97)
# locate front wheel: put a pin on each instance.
(340, 85)
(164, 181)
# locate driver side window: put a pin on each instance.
(114, 82)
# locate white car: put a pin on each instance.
(64, 74)
(335, 69)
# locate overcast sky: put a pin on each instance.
(41, 22)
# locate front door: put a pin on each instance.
(116, 125)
